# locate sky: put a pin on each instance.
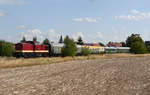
(93, 20)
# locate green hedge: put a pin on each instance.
(6, 49)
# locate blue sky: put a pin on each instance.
(94, 20)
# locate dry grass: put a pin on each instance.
(6, 62)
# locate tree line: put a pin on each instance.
(6, 48)
(46, 40)
(134, 41)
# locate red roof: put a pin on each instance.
(113, 44)
(92, 44)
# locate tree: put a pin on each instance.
(123, 44)
(6, 49)
(46, 41)
(69, 48)
(147, 43)
(132, 39)
(85, 51)
(61, 39)
(34, 38)
(138, 48)
(80, 41)
(101, 44)
(23, 39)
(137, 44)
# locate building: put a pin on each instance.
(114, 44)
(91, 44)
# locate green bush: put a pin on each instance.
(69, 48)
(6, 49)
(109, 52)
(85, 51)
(138, 48)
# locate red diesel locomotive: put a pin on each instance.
(31, 49)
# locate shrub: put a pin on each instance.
(69, 48)
(85, 51)
(109, 52)
(6, 49)
(138, 48)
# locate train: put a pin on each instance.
(35, 49)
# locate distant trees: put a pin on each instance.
(6, 48)
(23, 39)
(137, 44)
(123, 44)
(61, 39)
(46, 41)
(80, 41)
(101, 44)
(69, 48)
(34, 38)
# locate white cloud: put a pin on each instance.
(29, 34)
(78, 19)
(75, 36)
(94, 37)
(119, 34)
(2, 13)
(32, 33)
(135, 11)
(99, 35)
(129, 17)
(134, 16)
(22, 27)
(35, 32)
(53, 36)
(11, 2)
(87, 19)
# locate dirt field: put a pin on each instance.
(117, 76)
